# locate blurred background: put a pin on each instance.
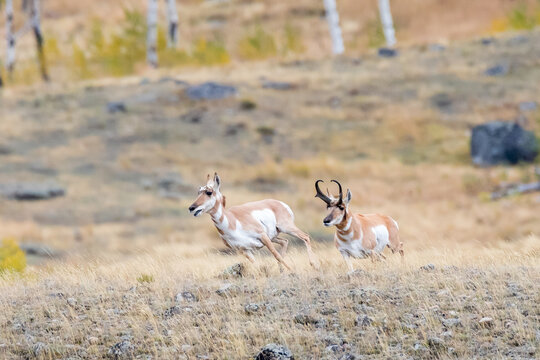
(111, 123)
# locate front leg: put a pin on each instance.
(268, 243)
(348, 261)
(249, 255)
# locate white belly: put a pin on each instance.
(355, 249)
(242, 239)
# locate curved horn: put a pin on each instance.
(340, 191)
(320, 194)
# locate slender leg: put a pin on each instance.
(268, 243)
(296, 232)
(348, 261)
(284, 243)
(249, 255)
(282, 248)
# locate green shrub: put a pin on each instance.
(80, 63)
(521, 18)
(210, 53)
(293, 40)
(375, 34)
(145, 278)
(259, 45)
(12, 258)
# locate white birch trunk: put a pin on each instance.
(332, 17)
(387, 23)
(172, 19)
(35, 20)
(10, 37)
(151, 36)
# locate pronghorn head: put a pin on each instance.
(337, 206)
(207, 197)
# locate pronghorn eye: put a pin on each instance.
(341, 207)
(209, 193)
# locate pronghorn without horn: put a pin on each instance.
(358, 235)
(252, 225)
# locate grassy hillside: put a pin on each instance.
(393, 130)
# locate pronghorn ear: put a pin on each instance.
(348, 197)
(217, 181)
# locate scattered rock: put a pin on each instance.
(328, 311)
(277, 85)
(32, 191)
(447, 334)
(194, 116)
(419, 348)
(122, 350)
(363, 321)
(305, 319)
(442, 101)
(528, 106)
(497, 70)
(186, 296)
(228, 290)
(71, 301)
(210, 91)
(234, 271)
(251, 309)
(248, 105)
(486, 322)
(234, 129)
(387, 52)
(428, 267)
(436, 47)
(435, 344)
(500, 142)
(39, 250)
(449, 323)
(274, 352)
(92, 340)
(116, 106)
(487, 41)
(172, 311)
(38, 349)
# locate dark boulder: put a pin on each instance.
(387, 52)
(32, 191)
(500, 142)
(210, 91)
(274, 352)
(116, 106)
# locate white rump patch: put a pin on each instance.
(267, 218)
(383, 237)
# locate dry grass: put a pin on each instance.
(405, 306)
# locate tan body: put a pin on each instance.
(357, 235)
(252, 225)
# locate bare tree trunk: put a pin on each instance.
(36, 27)
(332, 17)
(151, 36)
(10, 37)
(387, 23)
(172, 18)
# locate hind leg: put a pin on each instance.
(297, 233)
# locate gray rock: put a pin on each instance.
(251, 309)
(500, 142)
(228, 290)
(274, 352)
(38, 349)
(328, 311)
(497, 70)
(363, 321)
(277, 85)
(449, 323)
(528, 106)
(186, 296)
(172, 311)
(234, 271)
(32, 191)
(387, 52)
(39, 250)
(210, 91)
(71, 301)
(436, 344)
(436, 47)
(428, 267)
(116, 106)
(305, 319)
(122, 350)
(486, 322)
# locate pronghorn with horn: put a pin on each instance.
(252, 225)
(358, 235)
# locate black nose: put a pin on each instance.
(192, 207)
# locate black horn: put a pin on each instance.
(320, 194)
(340, 191)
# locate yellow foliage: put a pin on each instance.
(12, 258)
